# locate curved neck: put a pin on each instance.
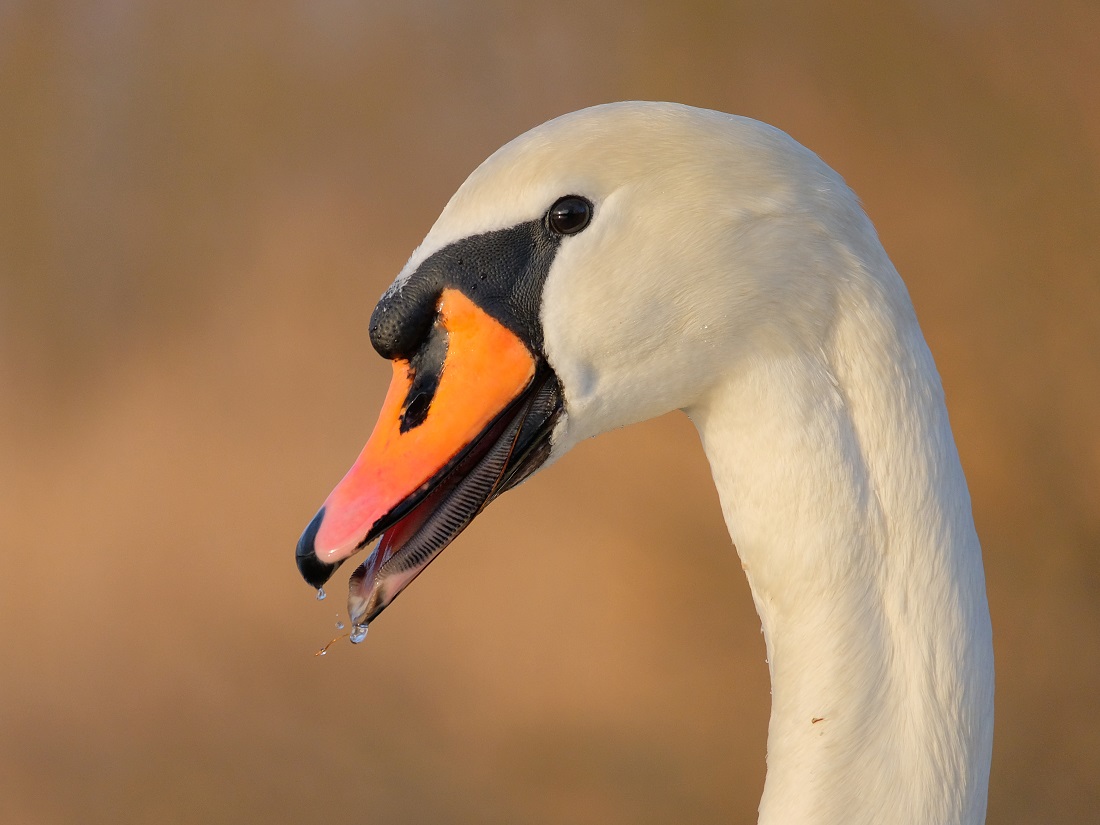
(842, 490)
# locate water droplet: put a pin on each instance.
(320, 594)
(358, 633)
(339, 625)
(323, 652)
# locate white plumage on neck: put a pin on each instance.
(842, 491)
(730, 273)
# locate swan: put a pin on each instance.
(630, 259)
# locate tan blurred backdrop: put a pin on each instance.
(200, 203)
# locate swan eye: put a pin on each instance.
(569, 215)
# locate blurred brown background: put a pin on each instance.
(200, 203)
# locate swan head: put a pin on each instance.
(604, 268)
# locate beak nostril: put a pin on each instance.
(425, 370)
(416, 411)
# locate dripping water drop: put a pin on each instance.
(320, 594)
(339, 625)
(358, 633)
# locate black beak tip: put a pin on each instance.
(313, 570)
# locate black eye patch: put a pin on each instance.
(503, 272)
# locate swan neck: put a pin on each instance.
(843, 493)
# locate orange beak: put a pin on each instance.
(445, 444)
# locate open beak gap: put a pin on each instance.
(407, 547)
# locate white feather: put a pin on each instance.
(730, 273)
